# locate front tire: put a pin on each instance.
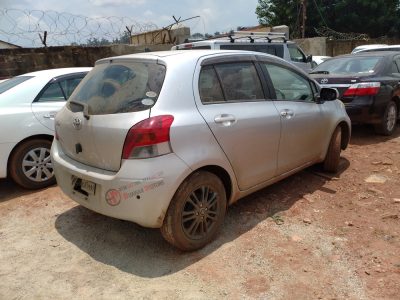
(196, 212)
(332, 158)
(388, 123)
(30, 165)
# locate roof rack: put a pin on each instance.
(252, 36)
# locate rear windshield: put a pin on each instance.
(346, 65)
(10, 83)
(120, 87)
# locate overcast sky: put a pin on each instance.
(216, 15)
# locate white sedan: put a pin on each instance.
(28, 105)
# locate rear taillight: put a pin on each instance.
(363, 89)
(148, 138)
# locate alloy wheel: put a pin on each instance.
(37, 165)
(200, 213)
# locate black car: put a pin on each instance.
(368, 84)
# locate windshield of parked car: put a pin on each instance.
(120, 87)
(346, 65)
(13, 82)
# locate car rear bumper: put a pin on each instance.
(362, 114)
(142, 189)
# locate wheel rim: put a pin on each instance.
(200, 213)
(37, 165)
(391, 118)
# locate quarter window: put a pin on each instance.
(396, 64)
(289, 85)
(295, 54)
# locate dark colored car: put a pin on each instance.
(368, 84)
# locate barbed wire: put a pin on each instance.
(334, 35)
(27, 28)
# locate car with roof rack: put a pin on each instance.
(274, 43)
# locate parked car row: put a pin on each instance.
(170, 139)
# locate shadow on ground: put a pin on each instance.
(366, 135)
(10, 190)
(143, 252)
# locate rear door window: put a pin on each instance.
(231, 82)
(121, 87)
(60, 90)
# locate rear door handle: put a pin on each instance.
(287, 113)
(225, 119)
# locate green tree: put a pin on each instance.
(373, 17)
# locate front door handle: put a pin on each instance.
(50, 115)
(287, 113)
(225, 119)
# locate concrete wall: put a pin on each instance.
(23, 60)
(334, 48)
(323, 46)
(5, 45)
(165, 36)
(313, 46)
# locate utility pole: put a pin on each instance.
(303, 4)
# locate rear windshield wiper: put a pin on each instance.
(84, 108)
(319, 72)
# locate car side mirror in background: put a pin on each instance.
(309, 58)
(328, 94)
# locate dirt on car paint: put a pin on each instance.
(310, 236)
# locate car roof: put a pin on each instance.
(371, 53)
(57, 72)
(366, 47)
(180, 54)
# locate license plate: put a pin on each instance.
(88, 186)
(83, 186)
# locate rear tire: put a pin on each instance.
(196, 212)
(30, 165)
(332, 158)
(389, 119)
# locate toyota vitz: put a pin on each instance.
(170, 139)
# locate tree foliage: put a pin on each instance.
(373, 17)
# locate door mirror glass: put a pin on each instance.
(328, 94)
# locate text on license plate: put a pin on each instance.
(83, 186)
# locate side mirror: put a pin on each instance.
(309, 58)
(328, 94)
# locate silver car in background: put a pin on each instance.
(170, 139)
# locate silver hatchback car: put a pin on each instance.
(170, 139)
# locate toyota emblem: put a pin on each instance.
(77, 123)
(324, 81)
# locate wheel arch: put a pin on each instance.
(396, 100)
(222, 174)
(30, 138)
(345, 134)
